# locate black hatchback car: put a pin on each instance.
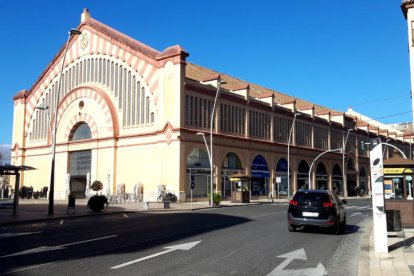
(321, 208)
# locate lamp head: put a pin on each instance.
(42, 107)
(200, 133)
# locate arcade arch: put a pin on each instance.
(231, 165)
(351, 178)
(303, 175)
(198, 171)
(321, 177)
(282, 177)
(259, 176)
(337, 179)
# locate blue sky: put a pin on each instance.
(335, 53)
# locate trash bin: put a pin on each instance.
(71, 203)
(166, 204)
(394, 220)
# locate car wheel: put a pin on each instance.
(336, 229)
(291, 228)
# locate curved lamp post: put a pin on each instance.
(71, 33)
(313, 162)
(210, 152)
(288, 154)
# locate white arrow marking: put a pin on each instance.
(357, 214)
(52, 248)
(354, 214)
(301, 255)
(8, 235)
(297, 254)
(184, 246)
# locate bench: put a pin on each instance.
(146, 204)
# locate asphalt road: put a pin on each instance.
(245, 240)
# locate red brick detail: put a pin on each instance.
(142, 71)
(86, 118)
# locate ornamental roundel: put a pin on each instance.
(84, 41)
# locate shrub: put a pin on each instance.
(97, 203)
(216, 198)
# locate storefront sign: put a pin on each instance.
(397, 171)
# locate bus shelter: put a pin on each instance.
(240, 188)
(15, 170)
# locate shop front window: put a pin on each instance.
(409, 182)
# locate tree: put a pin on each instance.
(97, 186)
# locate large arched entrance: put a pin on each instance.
(303, 175)
(198, 171)
(79, 161)
(321, 177)
(231, 165)
(260, 177)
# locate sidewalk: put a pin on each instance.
(399, 261)
(37, 209)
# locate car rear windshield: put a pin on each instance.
(316, 199)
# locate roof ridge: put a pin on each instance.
(118, 36)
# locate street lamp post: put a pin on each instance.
(288, 154)
(343, 159)
(385, 147)
(210, 152)
(71, 33)
(313, 162)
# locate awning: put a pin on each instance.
(13, 170)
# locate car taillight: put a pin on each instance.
(327, 204)
(293, 202)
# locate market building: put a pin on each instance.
(132, 116)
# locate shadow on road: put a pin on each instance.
(148, 229)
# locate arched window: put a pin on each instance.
(80, 132)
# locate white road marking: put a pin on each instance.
(299, 254)
(8, 235)
(52, 248)
(185, 246)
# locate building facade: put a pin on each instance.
(131, 116)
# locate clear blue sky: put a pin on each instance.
(335, 53)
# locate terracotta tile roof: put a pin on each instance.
(397, 160)
(199, 73)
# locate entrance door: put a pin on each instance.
(79, 166)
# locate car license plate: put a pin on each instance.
(310, 214)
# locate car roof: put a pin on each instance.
(314, 191)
